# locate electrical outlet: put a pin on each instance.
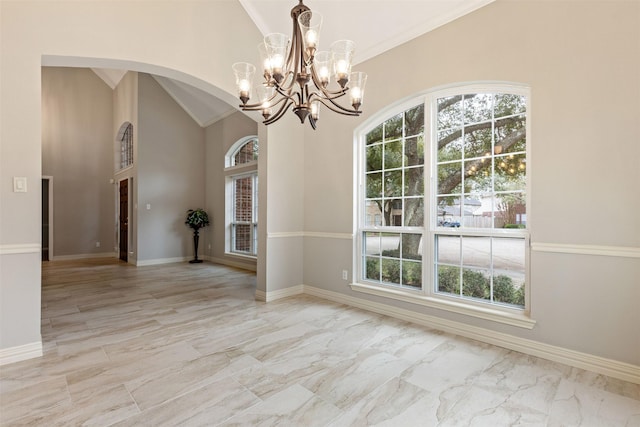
(97, 244)
(345, 274)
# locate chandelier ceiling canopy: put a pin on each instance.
(297, 74)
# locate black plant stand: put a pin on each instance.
(196, 238)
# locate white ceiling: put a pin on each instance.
(374, 25)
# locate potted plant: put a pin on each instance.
(196, 219)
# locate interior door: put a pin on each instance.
(124, 219)
(45, 219)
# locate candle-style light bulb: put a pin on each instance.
(358, 81)
(312, 38)
(244, 78)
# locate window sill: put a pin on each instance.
(241, 256)
(486, 313)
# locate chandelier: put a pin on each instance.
(298, 75)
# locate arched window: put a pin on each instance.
(242, 152)
(242, 197)
(442, 212)
(125, 138)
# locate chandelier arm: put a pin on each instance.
(336, 108)
(259, 105)
(326, 94)
(275, 117)
(287, 88)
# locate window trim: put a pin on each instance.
(427, 295)
(254, 214)
(233, 172)
(232, 151)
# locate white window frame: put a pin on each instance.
(253, 252)
(232, 173)
(427, 295)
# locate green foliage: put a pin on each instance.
(449, 279)
(395, 144)
(518, 296)
(412, 274)
(375, 135)
(411, 270)
(503, 290)
(391, 270)
(475, 284)
(373, 269)
(197, 218)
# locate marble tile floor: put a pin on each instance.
(188, 345)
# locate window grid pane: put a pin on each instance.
(394, 181)
(245, 213)
(492, 174)
(246, 154)
(480, 165)
(126, 147)
(483, 268)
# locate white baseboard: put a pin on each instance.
(158, 261)
(612, 368)
(281, 293)
(21, 352)
(231, 263)
(84, 256)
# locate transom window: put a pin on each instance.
(125, 138)
(246, 153)
(447, 220)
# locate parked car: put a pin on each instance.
(455, 224)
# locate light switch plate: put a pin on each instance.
(19, 184)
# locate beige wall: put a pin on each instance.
(170, 177)
(77, 144)
(284, 198)
(582, 62)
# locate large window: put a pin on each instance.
(446, 220)
(242, 196)
(480, 162)
(244, 227)
(394, 200)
